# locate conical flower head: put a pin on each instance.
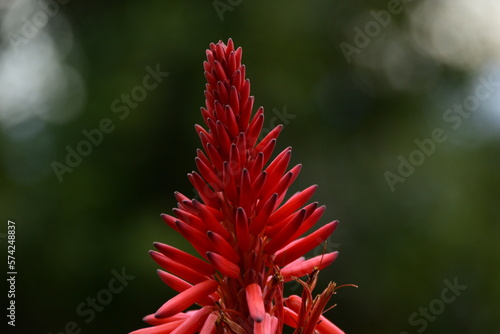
(247, 232)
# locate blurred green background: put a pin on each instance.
(354, 82)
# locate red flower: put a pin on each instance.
(244, 228)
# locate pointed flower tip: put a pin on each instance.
(301, 268)
(301, 246)
(159, 245)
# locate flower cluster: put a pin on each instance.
(248, 233)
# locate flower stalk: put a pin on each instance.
(246, 231)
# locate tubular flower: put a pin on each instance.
(246, 230)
